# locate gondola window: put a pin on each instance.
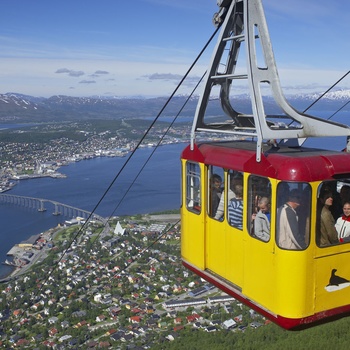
(193, 186)
(216, 185)
(332, 225)
(259, 207)
(293, 215)
(235, 204)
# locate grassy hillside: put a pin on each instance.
(333, 335)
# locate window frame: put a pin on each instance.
(253, 197)
(193, 187)
(231, 175)
(215, 170)
(303, 210)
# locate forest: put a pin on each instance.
(332, 335)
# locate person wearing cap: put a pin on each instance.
(328, 232)
(289, 236)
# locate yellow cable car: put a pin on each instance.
(258, 218)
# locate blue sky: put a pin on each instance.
(144, 47)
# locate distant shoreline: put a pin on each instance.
(78, 179)
(161, 217)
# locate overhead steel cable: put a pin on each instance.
(156, 147)
(338, 110)
(319, 98)
(142, 168)
(139, 255)
(329, 89)
(129, 158)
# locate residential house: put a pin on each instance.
(210, 329)
(126, 338)
(100, 318)
(172, 336)
(17, 312)
(64, 324)
(229, 324)
(22, 343)
(135, 319)
(92, 344)
(53, 331)
(81, 324)
(193, 318)
(64, 338)
(178, 320)
(238, 318)
(53, 320)
(111, 331)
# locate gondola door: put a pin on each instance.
(215, 242)
(259, 241)
(224, 251)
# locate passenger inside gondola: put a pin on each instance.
(327, 234)
(215, 193)
(262, 220)
(235, 178)
(342, 224)
(235, 207)
(344, 196)
(259, 200)
(345, 193)
(288, 230)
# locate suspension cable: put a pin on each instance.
(329, 89)
(336, 83)
(156, 147)
(338, 110)
(140, 254)
(129, 158)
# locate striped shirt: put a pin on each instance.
(235, 213)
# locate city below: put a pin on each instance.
(92, 284)
(22, 161)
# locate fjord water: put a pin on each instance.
(156, 189)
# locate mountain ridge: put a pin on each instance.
(23, 108)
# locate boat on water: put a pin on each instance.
(9, 263)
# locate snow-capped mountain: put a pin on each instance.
(17, 107)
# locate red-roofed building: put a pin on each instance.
(193, 318)
(17, 312)
(135, 319)
(53, 331)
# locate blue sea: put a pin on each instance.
(156, 189)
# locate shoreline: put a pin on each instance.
(50, 233)
(71, 160)
(9, 271)
(18, 252)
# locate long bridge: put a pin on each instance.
(41, 205)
